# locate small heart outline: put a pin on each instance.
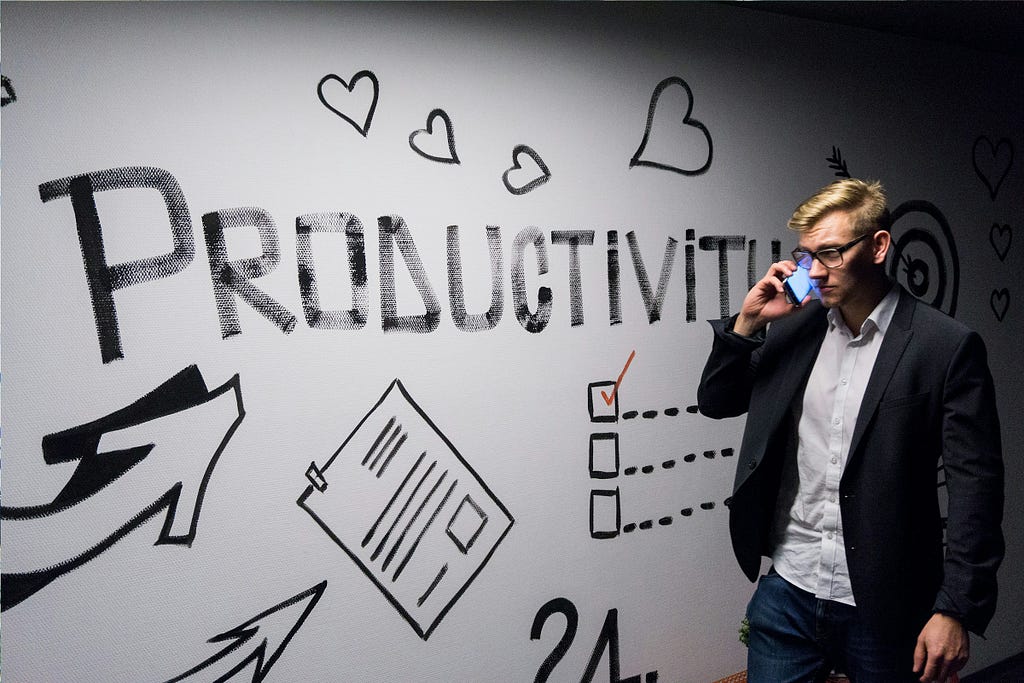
(533, 184)
(429, 130)
(1000, 302)
(994, 152)
(363, 129)
(995, 238)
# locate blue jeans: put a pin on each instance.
(797, 638)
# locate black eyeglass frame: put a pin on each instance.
(799, 254)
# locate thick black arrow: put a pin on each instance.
(96, 470)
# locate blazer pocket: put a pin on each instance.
(902, 401)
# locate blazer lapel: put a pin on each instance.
(895, 343)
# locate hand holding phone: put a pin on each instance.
(798, 285)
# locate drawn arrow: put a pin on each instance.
(165, 438)
(274, 629)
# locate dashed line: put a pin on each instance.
(648, 524)
(651, 414)
(669, 464)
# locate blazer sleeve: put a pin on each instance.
(972, 456)
(728, 377)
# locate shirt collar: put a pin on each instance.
(878, 319)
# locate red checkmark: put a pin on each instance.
(609, 399)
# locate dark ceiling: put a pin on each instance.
(986, 25)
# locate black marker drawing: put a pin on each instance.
(104, 279)
(234, 278)
(992, 162)
(401, 501)
(687, 167)
(305, 227)
(614, 286)
(367, 118)
(8, 92)
(392, 232)
(272, 629)
(476, 322)
(652, 302)
(837, 164)
(142, 438)
(574, 238)
(607, 640)
(537, 172)
(723, 244)
(1000, 237)
(531, 322)
(925, 259)
(1000, 302)
(449, 155)
(633, 470)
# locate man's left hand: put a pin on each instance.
(942, 649)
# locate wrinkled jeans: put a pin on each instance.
(798, 638)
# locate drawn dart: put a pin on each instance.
(272, 630)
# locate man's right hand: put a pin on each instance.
(766, 301)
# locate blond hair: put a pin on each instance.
(865, 200)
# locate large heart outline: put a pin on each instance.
(453, 157)
(993, 190)
(1000, 302)
(688, 120)
(995, 238)
(363, 129)
(533, 184)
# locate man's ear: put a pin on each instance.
(880, 243)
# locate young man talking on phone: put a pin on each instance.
(852, 404)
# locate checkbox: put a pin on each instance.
(599, 409)
(604, 455)
(605, 513)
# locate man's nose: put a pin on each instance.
(817, 271)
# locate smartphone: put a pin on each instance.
(798, 285)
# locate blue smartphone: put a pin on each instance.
(798, 285)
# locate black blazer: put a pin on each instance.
(929, 397)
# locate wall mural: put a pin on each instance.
(992, 163)
(116, 464)
(425, 523)
(434, 517)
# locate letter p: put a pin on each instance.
(104, 279)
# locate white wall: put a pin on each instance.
(102, 583)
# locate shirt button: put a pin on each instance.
(844, 381)
(831, 499)
(835, 460)
(830, 535)
(836, 421)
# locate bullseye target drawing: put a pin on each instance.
(923, 257)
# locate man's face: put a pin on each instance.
(839, 285)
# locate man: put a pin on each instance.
(852, 403)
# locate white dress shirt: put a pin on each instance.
(809, 550)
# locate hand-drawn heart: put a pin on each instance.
(368, 118)
(1001, 236)
(1000, 302)
(689, 169)
(992, 162)
(538, 180)
(452, 157)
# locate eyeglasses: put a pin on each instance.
(830, 258)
